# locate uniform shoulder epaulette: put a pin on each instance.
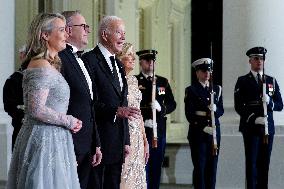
(19, 71)
(160, 77)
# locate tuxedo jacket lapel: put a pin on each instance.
(123, 76)
(105, 68)
(79, 71)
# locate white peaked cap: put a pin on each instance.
(202, 61)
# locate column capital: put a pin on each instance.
(146, 3)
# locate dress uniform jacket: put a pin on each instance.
(164, 96)
(13, 101)
(248, 102)
(197, 100)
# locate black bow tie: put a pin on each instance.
(79, 54)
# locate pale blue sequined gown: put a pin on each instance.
(43, 156)
(133, 174)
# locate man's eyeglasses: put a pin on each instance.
(85, 26)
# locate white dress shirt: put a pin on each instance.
(107, 54)
(204, 84)
(255, 75)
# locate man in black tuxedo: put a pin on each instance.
(82, 95)
(111, 106)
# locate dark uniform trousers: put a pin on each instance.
(165, 98)
(197, 101)
(248, 104)
(154, 165)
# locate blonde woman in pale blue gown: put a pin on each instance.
(43, 156)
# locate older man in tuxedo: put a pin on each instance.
(111, 106)
(82, 95)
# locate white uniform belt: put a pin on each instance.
(201, 113)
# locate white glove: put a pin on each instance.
(21, 107)
(148, 123)
(156, 105)
(260, 120)
(267, 98)
(208, 130)
(214, 107)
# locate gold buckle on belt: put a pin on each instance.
(200, 113)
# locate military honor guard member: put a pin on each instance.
(255, 107)
(13, 95)
(164, 104)
(199, 111)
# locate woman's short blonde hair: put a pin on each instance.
(127, 49)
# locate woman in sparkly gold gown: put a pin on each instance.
(133, 175)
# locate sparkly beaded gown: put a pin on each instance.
(133, 174)
(43, 156)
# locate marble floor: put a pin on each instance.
(163, 186)
(175, 186)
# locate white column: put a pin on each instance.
(7, 38)
(129, 12)
(247, 24)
